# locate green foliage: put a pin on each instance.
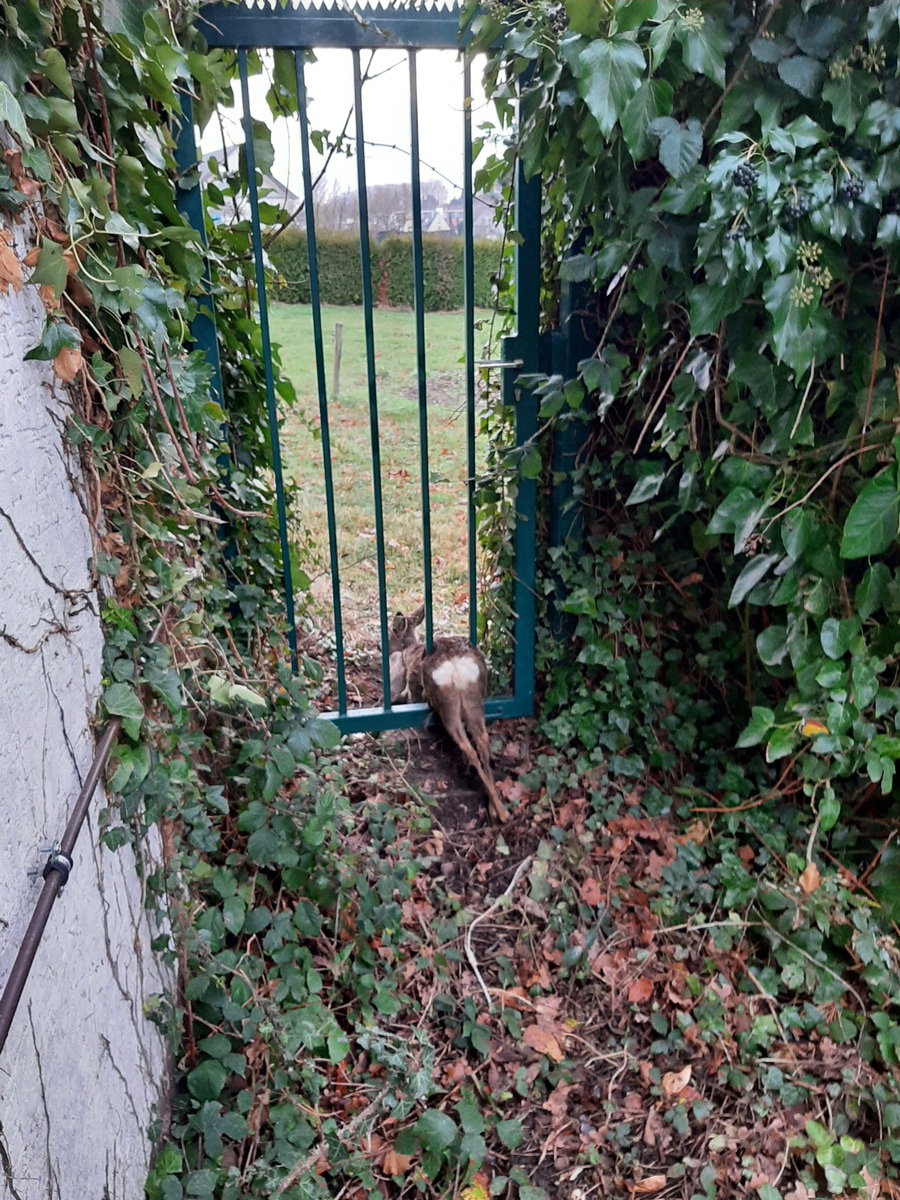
(738, 251)
(392, 270)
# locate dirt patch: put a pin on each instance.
(446, 389)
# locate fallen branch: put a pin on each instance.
(470, 953)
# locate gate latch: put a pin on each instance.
(485, 363)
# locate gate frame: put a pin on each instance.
(243, 28)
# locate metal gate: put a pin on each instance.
(245, 28)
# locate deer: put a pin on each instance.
(451, 679)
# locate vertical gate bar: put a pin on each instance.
(189, 202)
(320, 377)
(274, 441)
(419, 299)
(366, 269)
(527, 265)
(469, 307)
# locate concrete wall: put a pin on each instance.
(83, 1072)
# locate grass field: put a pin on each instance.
(395, 357)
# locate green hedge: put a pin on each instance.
(392, 275)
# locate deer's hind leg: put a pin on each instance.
(448, 705)
(473, 712)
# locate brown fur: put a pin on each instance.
(461, 711)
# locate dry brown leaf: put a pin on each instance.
(543, 1042)
(47, 297)
(10, 267)
(646, 1187)
(395, 1164)
(557, 1103)
(810, 878)
(590, 892)
(674, 1082)
(695, 832)
(640, 991)
(30, 259)
(67, 364)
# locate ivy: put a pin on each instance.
(721, 182)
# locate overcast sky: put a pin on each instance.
(329, 83)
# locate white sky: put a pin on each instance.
(386, 116)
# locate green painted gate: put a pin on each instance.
(245, 28)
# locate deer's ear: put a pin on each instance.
(417, 617)
(398, 625)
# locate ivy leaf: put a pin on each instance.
(680, 144)
(848, 96)
(754, 732)
(873, 521)
(888, 230)
(703, 50)
(653, 99)
(780, 744)
(711, 303)
(648, 485)
(126, 17)
(585, 17)
(755, 570)
(57, 335)
(829, 811)
(51, 269)
(233, 913)
(799, 332)
(881, 20)
(872, 591)
(510, 1133)
(804, 132)
(609, 72)
(12, 116)
(435, 1130)
(772, 645)
(121, 700)
(206, 1081)
(803, 74)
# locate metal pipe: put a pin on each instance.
(469, 308)
(271, 408)
(419, 295)
(324, 427)
(368, 302)
(56, 873)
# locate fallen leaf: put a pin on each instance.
(395, 1164)
(543, 1042)
(590, 892)
(696, 833)
(477, 1189)
(557, 1103)
(30, 259)
(10, 267)
(674, 1082)
(810, 878)
(67, 364)
(646, 1187)
(640, 991)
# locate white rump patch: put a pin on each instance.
(457, 673)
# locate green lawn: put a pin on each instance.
(395, 358)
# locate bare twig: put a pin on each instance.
(299, 1169)
(470, 953)
(865, 424)
(662, 395)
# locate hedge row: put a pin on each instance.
(392, 273)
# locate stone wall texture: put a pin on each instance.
(83, 1073)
